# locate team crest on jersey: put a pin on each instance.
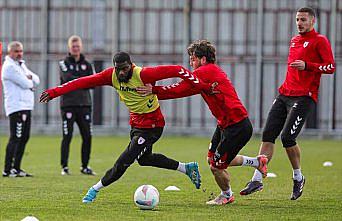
(141, 140)
(63, 66)
(305, 44)
(83, 67)
(24, 117)
(71, 67)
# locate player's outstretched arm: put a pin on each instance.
(153, 74)
(100, 79)
(177, 90)
(173, 91)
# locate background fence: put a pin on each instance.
(251, 37)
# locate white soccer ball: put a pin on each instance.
(30, 218)
(146, 197)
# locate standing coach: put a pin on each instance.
(76, 106)
(19, 84)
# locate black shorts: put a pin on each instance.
(287, 114)
(81, 115)
(231, 139)
(142, 140)
(139, 149)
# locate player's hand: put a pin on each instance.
(145, 90)
(44, 97)
(210, 156)
(213, 89)
(298, 64)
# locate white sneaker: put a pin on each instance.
(221, 200)
(65, 171)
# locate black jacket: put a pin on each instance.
(70, 70)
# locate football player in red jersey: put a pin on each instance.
(233, 126)
(309, 57)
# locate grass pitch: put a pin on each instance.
(50, 196)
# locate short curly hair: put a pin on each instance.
(203, 48)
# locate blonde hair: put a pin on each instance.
(14, 44)
(74, 38)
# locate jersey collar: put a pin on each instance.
(309, 34)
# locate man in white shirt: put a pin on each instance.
(19, 84)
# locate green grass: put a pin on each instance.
(50, 196)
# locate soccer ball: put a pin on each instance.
(146, 197)
(30, 218)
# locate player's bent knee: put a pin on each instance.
(67, 137)
(215, 170)
(86, 138)
(288, 141)
(268, 136)
(121, 166)
(144, 161)
(14, 139)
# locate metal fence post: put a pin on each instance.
(186, 41)
(332, 80)
(258, 81)
(117, 99)
(114, 16)
(46, 50)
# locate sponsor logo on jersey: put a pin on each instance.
(122, 88)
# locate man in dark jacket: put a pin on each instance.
(76, 105)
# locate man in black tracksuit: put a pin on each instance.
(76, 105)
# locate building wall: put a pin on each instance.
(251, 37)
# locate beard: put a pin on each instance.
(124, 78)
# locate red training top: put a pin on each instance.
(225, 106)
(315, 50)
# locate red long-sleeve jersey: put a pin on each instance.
(315, 50)
(147, 75)
(225, 106)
